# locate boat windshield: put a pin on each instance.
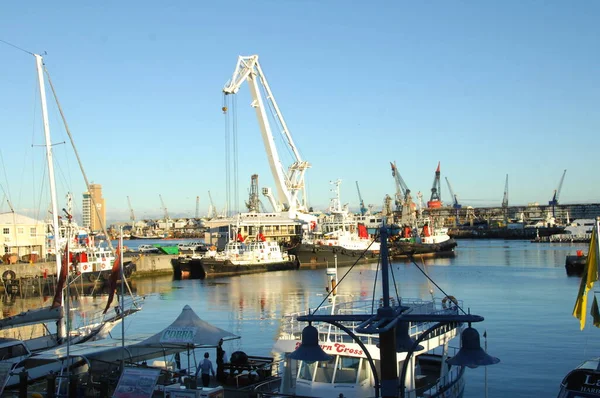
(339, 369)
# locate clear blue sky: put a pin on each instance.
(487, 88)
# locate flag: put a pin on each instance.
(62, 278)
(595, 313)
(590, 275)
(114, 277)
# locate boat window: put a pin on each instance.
(306, 371)
(347, 370)
(325, 371)
(12, 351)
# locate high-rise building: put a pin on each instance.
(94, 219)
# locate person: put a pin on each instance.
(220, 361)
(206, 369)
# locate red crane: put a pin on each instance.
(435, 201)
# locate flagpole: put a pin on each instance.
(485, 372)
(122, 297)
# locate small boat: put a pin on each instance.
(350, 350)
(584, 380)
(575, 264)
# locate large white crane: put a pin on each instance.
(212, 210)
(167, 219)
(291, 193)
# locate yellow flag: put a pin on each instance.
(591, 264)
(581, 304)
(595, 313)
(590, 275)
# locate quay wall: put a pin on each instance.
(561, 212)
(145, 266)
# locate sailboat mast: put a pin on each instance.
(39, 66)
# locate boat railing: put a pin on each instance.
(445, 383)
(96, 317)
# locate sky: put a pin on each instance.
(486, 88)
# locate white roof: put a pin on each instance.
(16, 219)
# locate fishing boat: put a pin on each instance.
(239, 257)
(584, 380)
(335, 238)
(350, 351)
(17, 352)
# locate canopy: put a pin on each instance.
(189, 330)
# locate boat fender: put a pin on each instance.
(9, 275)
(446, 301)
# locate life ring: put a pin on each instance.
(447, 299)
(9, 275)
(85, 267)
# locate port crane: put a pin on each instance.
(197, 215)
(164, 207)
(212, 210)
(505, 200)
(291, 193)
(457, 206)
(455, 203)
(363, 209)
(436, 191)
(554, 201)
(131, 213)
(402, 192)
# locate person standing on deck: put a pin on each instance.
(206, 369)
(220, 361)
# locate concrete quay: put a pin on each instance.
(146, 265)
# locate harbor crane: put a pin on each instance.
(505, 198)
(402, 192)
(455, 203)
(505, 201)
(197, 215)
(131, 213)
(290, 187)
(554, 201)
(167, 220)
(212, 210)
(436, 191)
(363, 209)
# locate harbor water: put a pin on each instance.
(521, 289)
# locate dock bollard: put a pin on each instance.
(51, 385)
(23, 384)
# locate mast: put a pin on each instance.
(39, 66)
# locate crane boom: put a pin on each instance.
(162, 202)
(212, 210)
(455, 203)
(289, 184)
(402, 191)
(554, 200)
(363, 209)
(131, 214)
(505, 198)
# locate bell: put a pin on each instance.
(310, 350)
(471, 354)
(404, 342)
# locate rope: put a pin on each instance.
(17, 47)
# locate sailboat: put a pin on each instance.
(17, 353)
(584, 380)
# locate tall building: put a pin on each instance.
(94, 219)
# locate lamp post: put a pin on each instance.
(387, 322)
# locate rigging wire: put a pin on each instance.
(87, 184)
(236, 197)
(17, 47)
(227, 162)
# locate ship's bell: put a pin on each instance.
(310, 350)
(404, 342)
(471, 354)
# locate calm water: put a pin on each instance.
(520, 288)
